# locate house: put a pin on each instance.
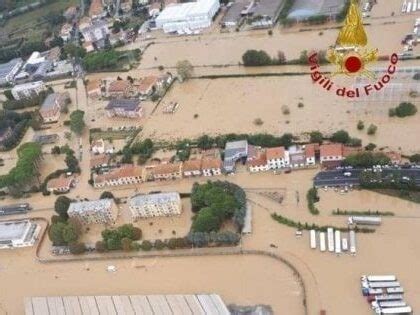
(94, 89)
(124, 108)
(27, 90)
(234, 151)
(253, 152)
(61, 184)
(84, 23)
(211, 166)
(65, 32)
(96, 33)
(310, 153)
(191, 168)
(331, 155)
(99, 161)
(126, 5)
(119, 88)
(167, 171)
(155, 205)
(9, 70)
(99, 147)
(147, 85)
(70, 13)
(96, 10)
(297, 156)
(102, 211)
(259, 164)
(125, 175)
(51, 107)
(277, 157)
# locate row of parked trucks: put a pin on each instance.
(333, 241)
(19, 208)
(385, 294)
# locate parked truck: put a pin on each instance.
(352, 235)
(395, 290)
(386, 284)
(330, 239)
(20, 208)
(404, 310)
(344, 244)
(322, 245)
(372, 292)
(337, 238)
(378, 278)
(312, 236)
(385, 297)
(388, 304)
(366, 220)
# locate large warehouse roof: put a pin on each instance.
(182, 10)
(201, 304)
(306, 8)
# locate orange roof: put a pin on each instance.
(210, 153)
(259, 161)
(93, 85)
(310, 150)
(60, 182)
(95, 7)
(98, 160)
(147, 83)
(164, 169)
(191, 165)
(124, 171)
(119, 86)
(211, 163)
(275, 153)
(333, 149)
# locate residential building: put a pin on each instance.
(277, 158)
(167, 171)
(191, 168)
(265, 13)
(259, 164)
(119, 88)
(147, 85)
(124, 175)
(187, 16)
(70, 13)
(303, 10)
(94, 89)
(297, 156)
(18, 233)
(211, 166)
(100, 146)
(129, 108)
(65, 32)
(96, 33)
(61, 184)
(96, 10)
(331, 155)
(155, 205)
(97, 211)
(84, 23)
(253, 152)
(99, 161)
(27, 90)
(52, 105)
(9, 70)
(234, 151)
(310, 153)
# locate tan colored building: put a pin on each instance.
(124, 175)
(119, 88)
(61, 184)
(155, 205)
(191, 168)
(167, 171)
(211, 166)
(93, 89)
(52, 105)
(97, 211)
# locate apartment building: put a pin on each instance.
(277, 157)
(97, 211)
(9, 70)
(51, 107)
(126, 108)
(211, 166)
(155, 205)
(167, 171)
(191, 168)
(124, 175)
(259, 164)
(331, 155)
(27, 90)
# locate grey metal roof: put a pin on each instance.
(236, 149)
(203, 304)
(125, 104)
(5, 68)
(307, 8)
(13, 230)
(270, 8)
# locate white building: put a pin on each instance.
(331, 152)
(20, 233)
(277, 158)
(155, 205)
(211, 166)
(96, 211)
(310, 154)
(188, 16)
(9, 70)
(27, 90)
(259, 164)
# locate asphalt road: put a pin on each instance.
(337, 178)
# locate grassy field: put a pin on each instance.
(112, 134)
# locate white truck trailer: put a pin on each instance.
(322, 245)
(386, 284)
(366, 220)
(387, 304)
(330, 239)
(344, 244)
(378, 278)
(389, 297)
(404, 310)
(312, 237)
(337, 238)
(394, 290)
(352, 235)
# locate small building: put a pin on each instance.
(27, 90)
(70, 13)
(124, 175)
(99, 161)
(9, 70)
(147, 85)
(310, 153)
(97, 211)
(191, 168)
(18, 233)
(119, 89)
(234, 151)
(259, 164)
(100, 146)
(211, 166)
(297, 156)
(96, 33)
(167, 171)
(303, 10)
(265, 13)
(331, 154)
(277, 157)
(65, 32)
(94, 89)
(52, 105)
(96, 9)
(128, 108)
(19, 208)
(61, 184)
(155, 205)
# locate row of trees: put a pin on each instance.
(18, 123)
(312, 197)
(107, 59)
(257, 58)
(77, 123)
(119, 238)
(144, 149)
(366, 159)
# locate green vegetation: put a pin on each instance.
(12, 104)
(72, 50)
(216, 202)
(370, 147)
(184, 69)
(108, 60)
(312, 197)
(363, 213)
(415, 158)
(305, 226)
(64, 233)
(77, 124)
(61, 206)
(403, 110)
(342, 136)
(366, 159)
(372, 129)
(107, 195)
(255, 58)
(258, 122)
(18, 123)
(316, 137)
(393, 180)
(26, 169)
(360, 125)
(121, 238)
(96, 133)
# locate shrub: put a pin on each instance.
(146, 246)
(106, 195)
(195, 116)
(270, 32)
(285, 110)
(258, 121)
(100, 247)
(340, 136)
(312, 197)
(403, 110)
(77, 248)
(301, 105)
(255, 58)
(159, 245)
(372, 129)
(360, 125)
(415, 158)
(316, 137)
(370, 147)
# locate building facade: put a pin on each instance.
(155, 205)
(27, 90)
(126, 108)
(9, 70)
(51, 107)
(277, 158)
(102, 211)
(124, 175)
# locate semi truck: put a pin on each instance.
(344, 244)
(404, 310)
(369, 291)
(377, 285)
(387, 304)
(394, 290)
(337, 238)
(330, 239)
(366, 220)
(352, 235)
(312, 236)
(20, 208)
(378, 278)
(322, 245)
(385, 297)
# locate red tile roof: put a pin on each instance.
(275, 153)
(164, 169)
(259, 161)
(333, 149)
(147, 83)
(98, 160)
(118, 86)
(60, 182)
(310, 150)
(191, 165)
(124, 171)
(211, 163)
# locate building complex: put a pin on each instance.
(97, 211)
(155, 205)
(20, 233)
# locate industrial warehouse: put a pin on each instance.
(15, 234)
(127, 304)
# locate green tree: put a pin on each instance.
(316, 137)
(106, 195)
(146, 245)
(61, 206)
(255, 58)
(360, 125)
(415, 158)
(159, 245)
(72, 50)
(70, 234)
(206, 221)
(77, 248)
(126, 244)
(77, 124)
(184, 69)
(55, 233)
(340, 136)
(372, 129)
(403, 110)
